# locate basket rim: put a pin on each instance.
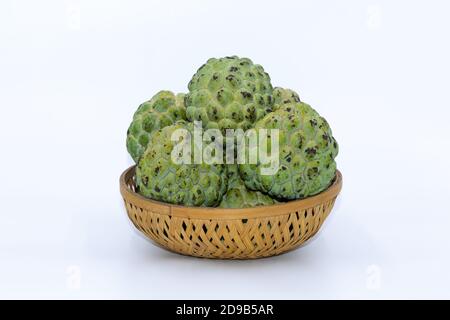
(214, 213)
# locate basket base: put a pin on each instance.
(230, 239)
(219, 233)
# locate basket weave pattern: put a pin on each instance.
(228, 233)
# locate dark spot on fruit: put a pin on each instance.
(145, 180)
(234, 69)
(289, 155)
(311, 151)
(199, 192)
(157, 189)
(261, 101)
(215, 77)
(313, 122)
(246, 94)
(288, 109)
(312, 172)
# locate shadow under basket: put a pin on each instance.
(218, 233)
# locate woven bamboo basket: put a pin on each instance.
(228, 233)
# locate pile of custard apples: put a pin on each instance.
(230, 93)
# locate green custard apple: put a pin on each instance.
(160, 177)
(307, 150)
(229, 93)
(238, 196)
(283, 96)
(162, 110)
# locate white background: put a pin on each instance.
(73, 72)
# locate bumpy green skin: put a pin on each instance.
(160, 111)
(284, 96)
(159, 178)
(229, 93)
(307, 152)
(238, 196)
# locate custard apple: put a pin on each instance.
(161, 110)
(229, 93)
(160, 177)
(306, 154)
(238, 196)
(283, 96)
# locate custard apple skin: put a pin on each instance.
(229, 93)
(307, 150)
(162, 110)
(159, 178)
(282, 96)
(238, 196)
